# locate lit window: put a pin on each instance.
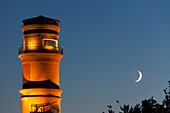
(50, 42)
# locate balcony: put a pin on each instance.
(40, 49)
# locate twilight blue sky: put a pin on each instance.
(105, 43)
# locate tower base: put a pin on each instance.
(40, 100)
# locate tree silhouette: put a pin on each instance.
(151, 106)
(166, 101)
(147, 105)
(126, 109)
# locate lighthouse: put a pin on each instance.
(40, 55)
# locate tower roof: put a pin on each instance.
(41, 20)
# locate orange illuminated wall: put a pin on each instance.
(40, 55)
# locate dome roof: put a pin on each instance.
(41, 20)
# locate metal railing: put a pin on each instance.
(40, 49)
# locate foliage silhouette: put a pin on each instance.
(147, 105)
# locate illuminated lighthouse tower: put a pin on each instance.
(40, 57)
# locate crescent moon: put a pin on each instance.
(140, 77)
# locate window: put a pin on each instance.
(50, 42)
